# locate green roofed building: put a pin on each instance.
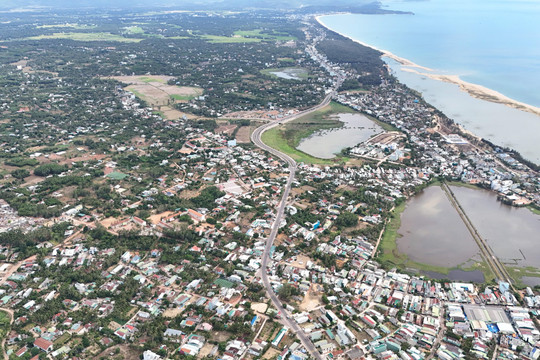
(117, 175)
(224, 283)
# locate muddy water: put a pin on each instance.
(433, 233)
(325, 144)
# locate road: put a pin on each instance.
(3, 344)
(491, 259)
(256, 139)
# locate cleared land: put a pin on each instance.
(97, 36)
(67, 25)
(156, 92)
(247, 37)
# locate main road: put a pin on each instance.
(256, 139)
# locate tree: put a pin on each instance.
(347, 219)
(287, 290)
(20, 173)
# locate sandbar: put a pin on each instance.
(474, 90)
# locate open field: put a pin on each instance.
(228, 39)
(259, 34)
(311, 301)
(247, 36)
(273, 138)
(97, 36)
(155, 91)
(67, 25)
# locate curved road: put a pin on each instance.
(3, 342)
(256, 139)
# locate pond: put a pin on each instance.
(432, 232)
(290, 73)
(325, 144)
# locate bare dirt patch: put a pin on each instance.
(172, 313)
(172, 114)
(125, 352)
(271, 353)
(206, 350)
(259, 307)
(226, 129)
(33, 180)
(243, 135)
(188, 194)
(300, 262)
(155, 90)
(155, 219)
(311, 301)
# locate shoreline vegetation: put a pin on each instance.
(286, 138)
(474, 90)
(390, 256)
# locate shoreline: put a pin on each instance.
(474, 90)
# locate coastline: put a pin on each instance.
(474, 90)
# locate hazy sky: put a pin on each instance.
(17, 4)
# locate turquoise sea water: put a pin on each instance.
(494, 43)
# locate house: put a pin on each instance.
(21, 351)
(149, 355)
(195, 216)
(43, 344)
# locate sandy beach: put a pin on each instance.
(474, 90)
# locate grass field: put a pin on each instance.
(258, 34)
(134, 30)
(183, 97)
(534, 210)
(286, 138)
(71, 26)
(246, 36)
(150, 79)
(97, 36)
(274, 138)
(228, 39)
(516, 273)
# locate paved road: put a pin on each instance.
(256, 139)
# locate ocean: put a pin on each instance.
(492, 43)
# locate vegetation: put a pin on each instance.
(5, 320)
(365, 60)
(49, 169)
(287, 137)
(97, 36)
(286, 291)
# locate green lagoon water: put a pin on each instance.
(493, 43)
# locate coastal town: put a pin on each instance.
(134, 229)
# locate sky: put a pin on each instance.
(217, 4)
